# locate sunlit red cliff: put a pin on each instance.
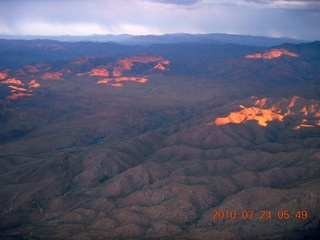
(117, 82)
(118, 72)
(12, 81)
(114, 73)
(18, 89)
(273, 53)
(4, 74)
(265, 110)
(127, 63)
(15, 96)
(52, 76)
(34, 84)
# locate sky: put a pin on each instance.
(298, 19)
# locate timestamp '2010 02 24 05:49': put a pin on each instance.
(262, 214)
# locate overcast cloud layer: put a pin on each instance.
(276, 18)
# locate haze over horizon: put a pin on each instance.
(271, 18)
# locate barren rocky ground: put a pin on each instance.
(160, 142)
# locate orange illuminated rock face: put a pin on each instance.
(40, 67)
(133, 79)
(116, 82)
(15, 89)
(52, 76)
(15, 96)
(262, 116)
(99, 71)
(105, 80)
(122, 65)
(159, 66)
(4, 74)
(267, 110)
(273, 53)
(12, 81)
(115, 71)
(34, 84)
(127, 63)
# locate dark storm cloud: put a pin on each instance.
(276, 18)
(296, 4)
(181, 2)
(270, 1)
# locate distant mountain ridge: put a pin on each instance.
(62, 60)
(216, 38)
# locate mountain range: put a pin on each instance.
(165, 140)
(127, 39)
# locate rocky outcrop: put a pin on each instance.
(267, 110)
(272, 53)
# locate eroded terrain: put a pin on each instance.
(132, 148)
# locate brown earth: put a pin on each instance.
(81, 160)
